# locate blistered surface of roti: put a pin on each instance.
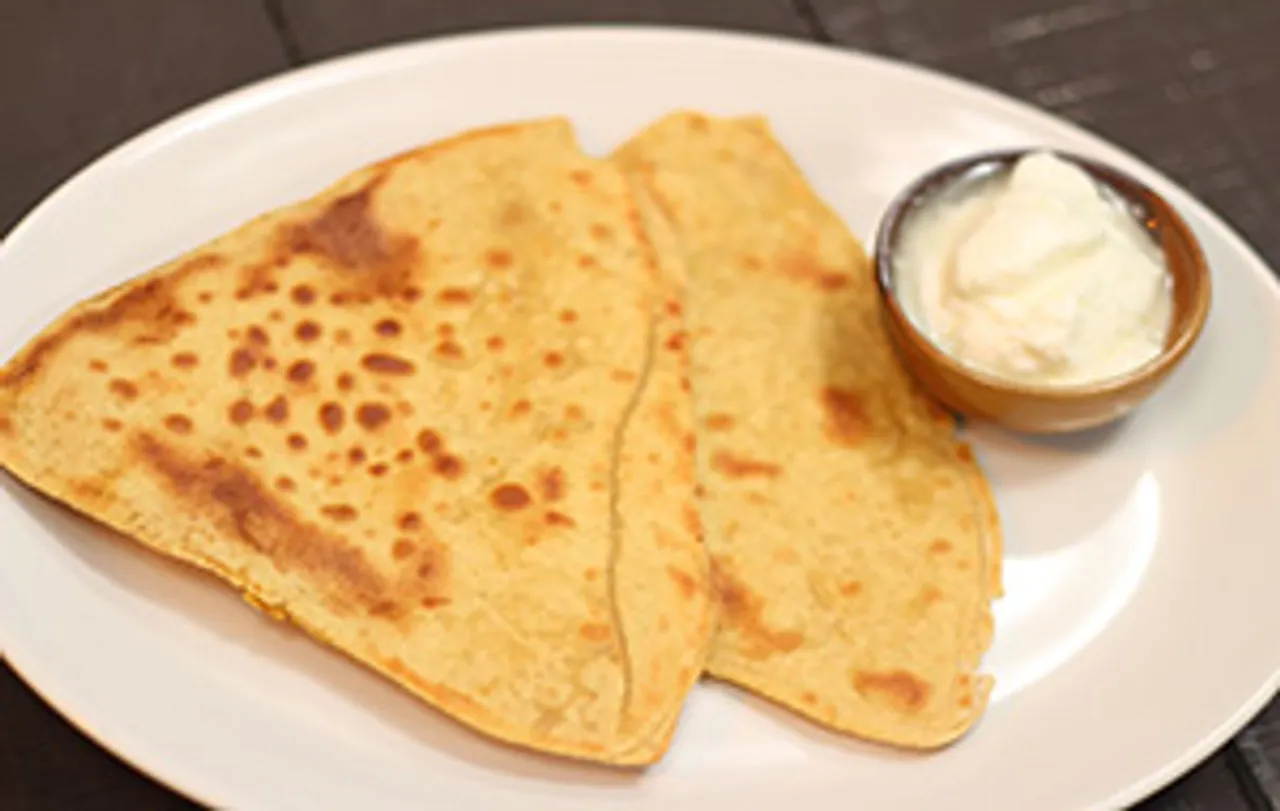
(437, 416)
(855, 550)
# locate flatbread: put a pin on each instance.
(435, 416)
(854, 542)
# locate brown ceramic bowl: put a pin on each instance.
(1047, 409)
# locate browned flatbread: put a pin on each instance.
(854, 543)
(434, 416)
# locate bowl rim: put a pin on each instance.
(906, 201)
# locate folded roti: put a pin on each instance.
(436, 416)
(855, 547)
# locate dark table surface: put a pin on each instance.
(1193, 86)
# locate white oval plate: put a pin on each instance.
(1139, 631)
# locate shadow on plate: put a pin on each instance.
(199, 599)
(1055, 492)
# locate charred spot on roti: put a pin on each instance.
(233, 499)
(734, 466)
(98, 365)
(553, 360)
(495, 343)
(345, 233)
(558, 519)
(277, 411)
(332, 416)
(297, 442)
(692, 520)
(356, 455)
(403, 549)
(253, 452)
(743, 611)
(448, 466)
(111, 424)
(429, 441)
(341, 513)
(806, 269)
(382, 363)
(676, 342)
(148, 314)
(509, 497)
(379, 469)
(301, 371)
(455, 295)
(285, 484)
(389, 609)
(409, 522)
(499, 259)
(388, 328)
(586, 261)
(596, 632)
(404, 456)
(178, 423)
(901, 689)
(940, 546)
(372, 416)
(181, 360)
(568, 316)
(847, 422)
(242, 361)
(240, 412)
(303, 295)
(257, 335)
(965, 453)
(601, 232)
(551, 483)
(718, 422)
(124, 389)
(685, 582)
(307, 331)
(448, 350)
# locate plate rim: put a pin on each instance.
(308, 78)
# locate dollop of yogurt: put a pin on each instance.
(1039, 275)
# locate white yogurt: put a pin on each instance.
(1037, 275)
